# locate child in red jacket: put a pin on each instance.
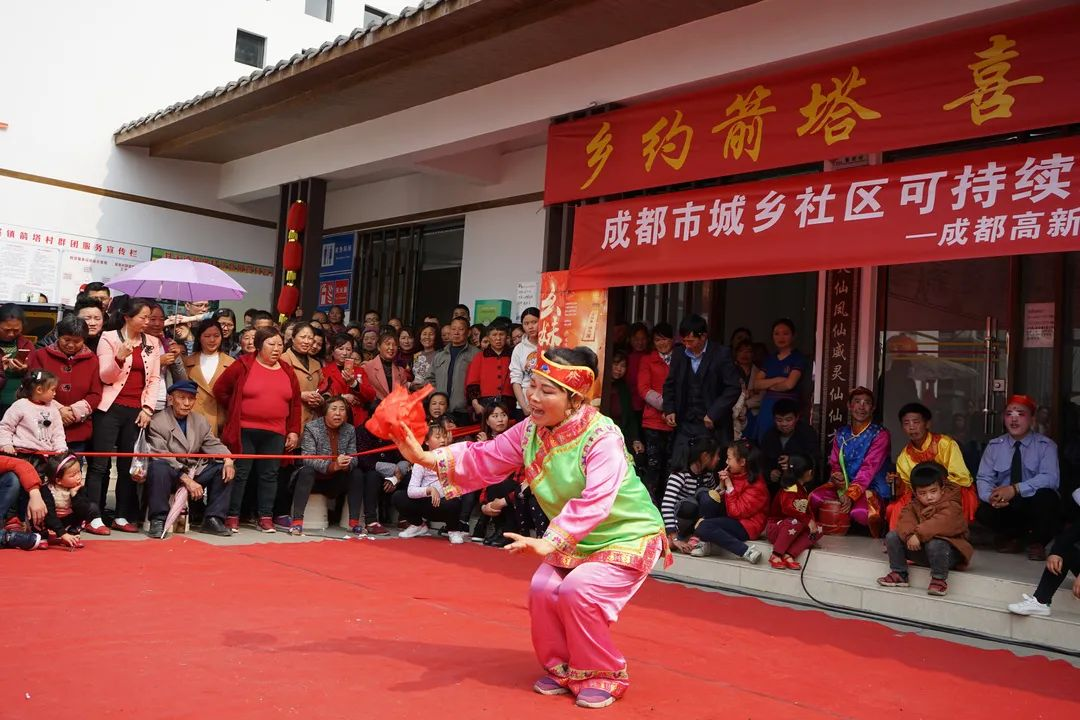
(791, 528)
(745, 499)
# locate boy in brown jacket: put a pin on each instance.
(931, 531)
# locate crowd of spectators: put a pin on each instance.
(721, 435)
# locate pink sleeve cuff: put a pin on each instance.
(563, 541)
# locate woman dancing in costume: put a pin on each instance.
(605, 533)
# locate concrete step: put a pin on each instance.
(847, 578)
(992, 577)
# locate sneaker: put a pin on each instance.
(96, 527)
(157, 528)
(283, 523)
(894, 579)
(414, 531)
(548, 685)
(266, 524)
(752, 555)
(296, 528)
(937, 587)
(377, 529)
(457, 537)
(22, 540)
(233, 524)
(1029, 606)
(123, 525)
(699, 548)
(594, 698)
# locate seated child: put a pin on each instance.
(679, 507)
(931, 530)
(66, 509)
(791, 528)
(423, 500)
(745, 499)
(1064, 557)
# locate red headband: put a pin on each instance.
(574, 378)
(1022, 400)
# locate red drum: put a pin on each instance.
(832, 519)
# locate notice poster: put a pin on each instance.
(55, 264)
(1039, 325)
(525, 298)
(569, 318)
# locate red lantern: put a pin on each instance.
(296, 219)
(292, 257)
(288, 300)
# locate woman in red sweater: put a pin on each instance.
(263, 398)
(76, 368)
(746, 499)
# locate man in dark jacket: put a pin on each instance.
(789, 435)
(701, 388)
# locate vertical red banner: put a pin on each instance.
(569, 318)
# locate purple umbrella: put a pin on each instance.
(180, 280)
(179, 503)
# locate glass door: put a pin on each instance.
(945, 343)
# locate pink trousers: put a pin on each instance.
(572, 612)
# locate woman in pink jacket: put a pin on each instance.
(129, 365)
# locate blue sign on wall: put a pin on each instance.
(335, 271)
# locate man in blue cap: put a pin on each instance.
(178, 430)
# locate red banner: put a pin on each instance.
(1018, 74)
(1008, 200)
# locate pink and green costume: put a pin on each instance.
(606, 531)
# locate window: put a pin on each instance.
(322, 9)
(250, 48)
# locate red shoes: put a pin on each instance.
(785, 562)
(101, 529)
(123, 525)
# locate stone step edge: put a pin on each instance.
(962, 600)
(974, 574)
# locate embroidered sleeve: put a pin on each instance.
(465, 467)
(563, 541)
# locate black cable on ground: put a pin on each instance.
(870, 614)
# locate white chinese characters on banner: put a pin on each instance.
(974, 192)
(56, 265)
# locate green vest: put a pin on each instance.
(554, 469)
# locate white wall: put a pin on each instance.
(76, 71)
(503, 246)
(521, 173)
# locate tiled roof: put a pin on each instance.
(367, 33)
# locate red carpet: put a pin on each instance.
(410, 629)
